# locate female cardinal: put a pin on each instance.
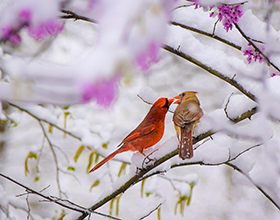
(148, 132)
(186, 116)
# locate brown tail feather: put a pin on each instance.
(186, 148)
(107, 158)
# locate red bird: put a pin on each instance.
(147, 134)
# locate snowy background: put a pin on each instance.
(78, 76)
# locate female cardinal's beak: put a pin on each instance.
(178, 99)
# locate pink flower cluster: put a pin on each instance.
(146, 58)
(103, 91)
(229, 14)
(50, 27)
(45, 28)
(253, 54)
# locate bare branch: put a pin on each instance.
(231, 81)
(256, 185)
(211, 35)
(149, 103)
(73, 15)
(54, 157)
(226, 105)
(58, 201)
(156, 208)
(43, 120)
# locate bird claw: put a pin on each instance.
(143, 167)
(139, 170)
(148, 159)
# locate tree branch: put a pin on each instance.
(256, 185)
(255, 47)
(216, 73)
(141, 174)
(235, 168)
(43, 120)
(55, 158)
(156, 208)
(206, 34)
(73, 15)
(58, 201)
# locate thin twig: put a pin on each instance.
(60, 202)
(29, 216)
(235, 168)
(28, 207)
(43, 120)
(156, 208)
(54, 157)
(73, 15)
(226, 106)
(256, 185)
(149, 103)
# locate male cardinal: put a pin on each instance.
(186, 116)
(147, 134)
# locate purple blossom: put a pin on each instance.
(25, 16)
(229, 14)
(146, 58)
(253, 54)
(10, 32)
(24, 20)
(92, 3)
(9, 35)
(15, 40)
(51, 27)
(274, 74)
(103, 91)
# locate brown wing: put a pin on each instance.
(187, 113)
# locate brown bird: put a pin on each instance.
(186, 116)
(147, 134)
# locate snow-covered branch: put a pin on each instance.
(61, 202)
(218, 74)
(148, 171)
(44, 120)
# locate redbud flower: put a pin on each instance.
(103, 91)
(146, 58)
(274, 74)
(253, 54)
(51, 27)
(229, 14)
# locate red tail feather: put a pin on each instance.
(106, 159)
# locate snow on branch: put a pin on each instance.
(151, 170)
(61, 202)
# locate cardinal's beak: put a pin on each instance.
(177, 101)
(170, 101)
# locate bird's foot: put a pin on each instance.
(139, 170)
(147, 158)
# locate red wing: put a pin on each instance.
(139, 132)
